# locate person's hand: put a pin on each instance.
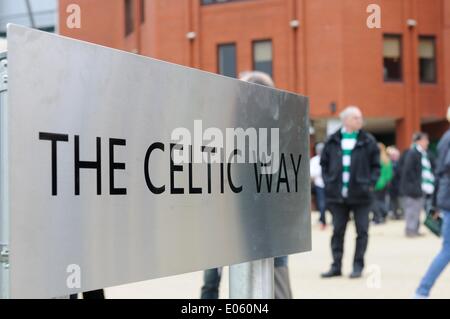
(435, 214)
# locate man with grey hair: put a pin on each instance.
(350, 169)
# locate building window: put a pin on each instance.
(227, 59)
(129, 17)
(392, 57)
(262, 56)
(142, 11)
(427, 59)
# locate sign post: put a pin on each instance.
(252, 280)
(4, 211)
(117, 168)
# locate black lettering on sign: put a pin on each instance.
(54, 138)
(230, 181)
(87, 165)
(113, 166)
(151, 187)
(192, 189)
(175, 168)
(296, 169)
(209, 150)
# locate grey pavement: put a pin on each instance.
(394, 267)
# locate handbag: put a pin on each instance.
(434, 225)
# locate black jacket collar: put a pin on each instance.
(363, 137)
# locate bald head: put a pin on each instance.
(352, 118)
(257, 77)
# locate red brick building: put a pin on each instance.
(399, 74)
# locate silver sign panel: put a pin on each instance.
(82, 119)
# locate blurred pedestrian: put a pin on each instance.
(416, 181)
(350, 168)
(282, 286)
(442, 200)
(393, 188)
(379, 204)
(319, 186)
(211, 283)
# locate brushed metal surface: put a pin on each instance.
(61, 85)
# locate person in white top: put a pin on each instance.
(318, 184)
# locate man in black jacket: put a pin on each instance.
(416, 182)
(350, 169)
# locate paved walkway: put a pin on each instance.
(394, 266)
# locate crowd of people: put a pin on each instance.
(354, 176)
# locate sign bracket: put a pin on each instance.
(4, 197)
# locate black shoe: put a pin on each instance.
(331, 273)
(356, 274)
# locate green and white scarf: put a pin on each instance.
(427, 173)
(348, 143)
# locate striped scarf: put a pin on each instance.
(348, 143)
(427, 173)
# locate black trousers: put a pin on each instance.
(379, 207)
(341, 215)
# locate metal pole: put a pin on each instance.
(252, 280)
(4, 197)
(30, 13)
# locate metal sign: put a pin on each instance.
(95, 197)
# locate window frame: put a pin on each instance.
(129, 23)
(254, 42)
(398, 36)
(434, 38)
(218, 46)
(142, 4)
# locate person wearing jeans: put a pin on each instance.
(440, 261)
(442, 200)
(211, 279)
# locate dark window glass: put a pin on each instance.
(227, 59)
(392, 57)
(262, 56)
(129, 14)
(427, 59)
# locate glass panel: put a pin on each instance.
(227, 60)
(262, 56)
(391, 47)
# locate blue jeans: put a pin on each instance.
(211, 282)
(281, 261)
(321, 203)
(440, 261)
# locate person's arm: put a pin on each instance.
(324, 162)
(389, 173)
(374, 157)
(314, 167)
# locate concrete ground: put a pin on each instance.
(394, 267)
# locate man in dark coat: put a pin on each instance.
(350, 169)
(416, 182)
